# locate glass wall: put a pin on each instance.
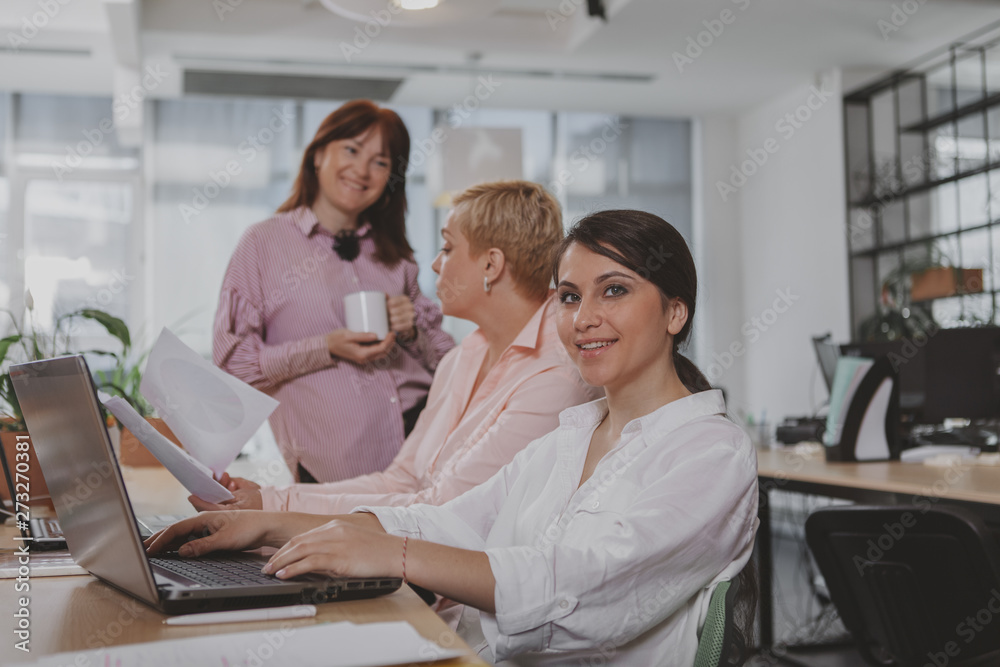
(147, 232)
(8, 249)
(68, 212)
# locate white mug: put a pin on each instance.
(367, 312)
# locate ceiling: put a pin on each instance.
(535, 54)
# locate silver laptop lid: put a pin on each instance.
(67, 430)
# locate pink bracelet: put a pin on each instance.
(404, 558)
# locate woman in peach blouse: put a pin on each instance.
(501, 388)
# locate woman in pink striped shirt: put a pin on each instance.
(347, 400)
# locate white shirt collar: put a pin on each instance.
(664, 419)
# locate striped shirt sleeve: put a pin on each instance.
(239, 347)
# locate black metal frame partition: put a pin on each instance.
(922, 161)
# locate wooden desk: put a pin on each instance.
(80, 612)
(876, 483)
(882, 480)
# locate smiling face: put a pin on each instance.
(352, 173)
(613, 322)
(459, 274)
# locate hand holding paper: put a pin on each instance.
(210, 411)
(194, 475)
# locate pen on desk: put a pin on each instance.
(267, 614)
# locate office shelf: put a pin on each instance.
(923, 240)
(922, 148)
(952, 116)
(893, 195)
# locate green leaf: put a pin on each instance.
(114, 325)
(5, 344)
(103, 353)
(7, 390)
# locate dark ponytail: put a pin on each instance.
(689, 374)
(650, 246)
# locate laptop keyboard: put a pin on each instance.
(46, 528)
(217, 570)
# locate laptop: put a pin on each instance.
(60, 407)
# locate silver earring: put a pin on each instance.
(486, 284)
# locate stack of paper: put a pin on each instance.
(323, 645)
(212, 413)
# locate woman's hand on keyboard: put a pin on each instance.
(233, 530)
(353, 545)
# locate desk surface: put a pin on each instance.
(80, 612)
(978, 484)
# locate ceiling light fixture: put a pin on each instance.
(417, 4)
(392, 14)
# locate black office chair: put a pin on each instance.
(907, 582)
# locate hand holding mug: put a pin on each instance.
(359, 347)
(402, 316)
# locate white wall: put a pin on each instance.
(718, 256)
(788, 281)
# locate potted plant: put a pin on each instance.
(895, 316)
(904, 308)
(937, 282)
(26, 342)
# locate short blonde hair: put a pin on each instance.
(521, 219)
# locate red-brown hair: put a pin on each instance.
(387, 216)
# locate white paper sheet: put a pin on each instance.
(321, 645)
(210, 411)
(194, 475)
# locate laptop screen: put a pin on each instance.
(827, 354)
(60, 407)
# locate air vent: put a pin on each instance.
(45, 51)
(197, 64)
(242, 84)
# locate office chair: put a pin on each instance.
(717, 634)
(912, 584)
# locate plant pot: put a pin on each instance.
(134, 453)
(945, 281)
(38, 492)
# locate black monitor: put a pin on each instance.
(951, 373)
(963, 374)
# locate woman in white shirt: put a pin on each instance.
(601, 541)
